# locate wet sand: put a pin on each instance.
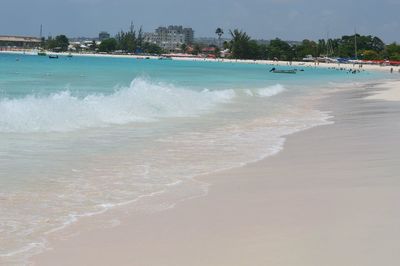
(331, 197)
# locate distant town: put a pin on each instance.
(177, 40)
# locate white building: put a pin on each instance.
(19, 42)
(170, 38)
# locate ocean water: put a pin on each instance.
(81, 135)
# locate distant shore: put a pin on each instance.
(297, 64)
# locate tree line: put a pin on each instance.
(357, 46)
(131, 41)
(242, 46)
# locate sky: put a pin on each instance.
(261, 19)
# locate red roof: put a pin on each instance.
(208, 49)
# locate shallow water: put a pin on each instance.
(81, 135)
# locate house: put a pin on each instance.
(21, 42)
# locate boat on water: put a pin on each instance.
(285, 71)
(41, 54)
(281, 71)
(53, 56)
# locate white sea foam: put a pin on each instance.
(271, 91)
(141, 101)
(266, 92)
(156, 176)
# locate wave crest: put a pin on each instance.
(140, 102)
(267, 92)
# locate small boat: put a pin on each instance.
(284, 71)
(53, 56)
(41, 54)
(290, 71)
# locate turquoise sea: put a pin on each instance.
(81, 135)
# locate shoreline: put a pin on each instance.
(379, 91)
(139, 233)
(370, 67)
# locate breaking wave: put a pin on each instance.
(142, 101)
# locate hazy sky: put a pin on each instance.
(287, 19)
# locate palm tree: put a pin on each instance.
(183, 47)
(240, 44)
(219, 32)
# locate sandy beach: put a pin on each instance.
(329, 198)
(294, 64)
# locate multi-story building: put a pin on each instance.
(170, 38)
(104, 35)
(19, 42)
(189, 35)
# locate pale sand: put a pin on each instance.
(331, 197)
(389, 91)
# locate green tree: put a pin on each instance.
(254, 50)
(219, 32)
(108, 45)
(392, 52)
(60, 43)
(240, 44)
(376, 44)
(322, 48)
(183, 47)
(140, 38)
(307, 47)
(281, 50)
(347, 45)
(263, 51)
(127, 41)
(151, 48)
